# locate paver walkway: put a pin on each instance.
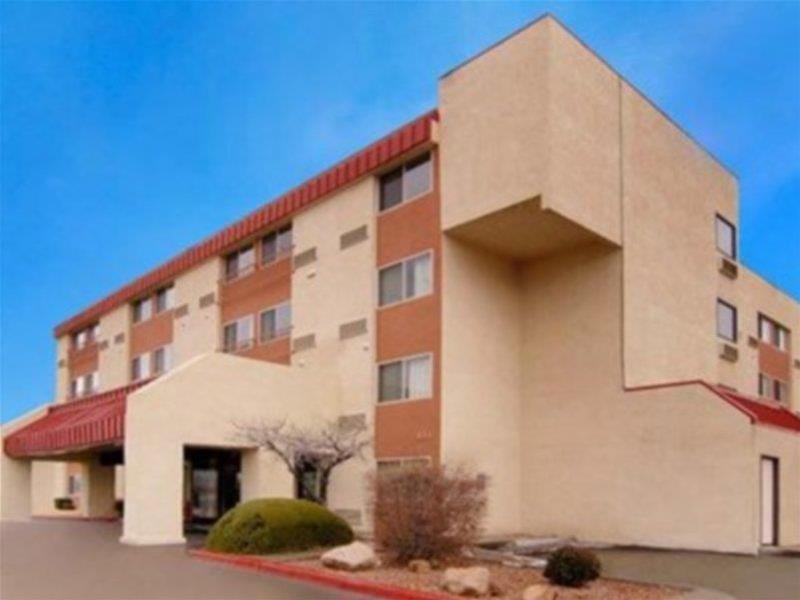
(69, 560)
(763, 577)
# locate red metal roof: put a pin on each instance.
(98, 420)
(763, 412)
(357, 165)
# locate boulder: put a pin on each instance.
(472, 581)
(419, 565)
(351, 557)
(540, 591)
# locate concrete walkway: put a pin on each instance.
(69, 560)
(765, 577)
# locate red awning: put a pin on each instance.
(91, 422)
(762, 411)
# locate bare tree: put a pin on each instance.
(305, 449)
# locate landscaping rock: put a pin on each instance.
(540, 591)
(352, 557)
(472, 581)
(419, 565)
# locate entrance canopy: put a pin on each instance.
(94, 422)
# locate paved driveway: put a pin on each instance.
(68, 560)
(746, 577)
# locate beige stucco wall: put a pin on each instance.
(198, 331)
(672, 191)
(62, 370)
(198, 404)
(537, 115)
(786, 448)
(114, 360)
(16, 474)
(671, 467)
(338, 288)
(481, 388)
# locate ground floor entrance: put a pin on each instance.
(212, 485)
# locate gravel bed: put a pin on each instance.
(513, 581)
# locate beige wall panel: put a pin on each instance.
(99, 489)
(48, 482)
(339, 287)
(198, 331)
(16, 475)
(786, 448)
(668, 467)
(62, 369)
(482, 382)
(672, 191)
(198, 404)
(114, 361)
(494, 128)
(583, 136)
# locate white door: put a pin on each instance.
(769, 501)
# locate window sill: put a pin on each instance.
(380, 403)
(405, 301)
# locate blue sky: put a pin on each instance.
(131, 130)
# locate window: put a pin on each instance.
(405, 280)
(81, 339)
(86, 336)
(405, 379)
(238, 334)
(76, 387)
(239, 263)
(94, 332)
(92, 385)
(726, 237)
(726, 321)
(140, 367)
(775, 389)
(162, 360)
(406, 182)
(74, 485)
(276, 244)
(165, 299)
(276, 322)
(142, 310)
(771, 332)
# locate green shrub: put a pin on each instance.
(272, 525)
(572, 566)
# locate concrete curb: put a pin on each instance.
(335, 579)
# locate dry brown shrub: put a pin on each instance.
(427, 512)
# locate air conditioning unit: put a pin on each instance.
(728, 267)
(728, 352)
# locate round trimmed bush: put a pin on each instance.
(272, 525)
(572, 567)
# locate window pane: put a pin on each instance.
(417, 177)
(170, 297)
(161, 300)
(135, 369)
(390, 381)
(146, 309)
(726, 238)
(245, 329)
(231, 265)
(144, 365)
(418, 276)
(419, 377)
(391, 284)
(763, 386)
(247, 259)
(726, 321)
(283, 319)
(167, 358)
(158, 361)
(391, 189)
(229, 335)
(268, 325)
(285, 240)
(269, 248)
(783, 339)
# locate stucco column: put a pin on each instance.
(99, 490)
(15, 488)
(264, 475)
(153, 491)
